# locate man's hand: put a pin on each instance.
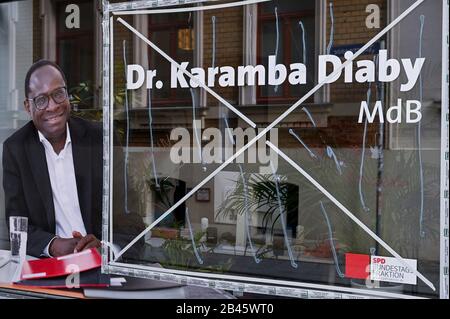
(86, 242)
(62, 246)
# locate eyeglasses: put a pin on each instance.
(58, 96)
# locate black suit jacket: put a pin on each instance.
(27, 186)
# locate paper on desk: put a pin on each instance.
(118, 281)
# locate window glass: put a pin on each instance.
(327, 198)
(174, 35)
(76, 53)
(16, 55)
(287, 31)
(220, 178)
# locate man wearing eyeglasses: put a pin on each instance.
(53, 169)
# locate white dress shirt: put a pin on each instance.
(64, 189)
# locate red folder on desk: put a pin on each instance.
(87, 279)
(61, 266)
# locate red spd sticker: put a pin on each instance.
(357, 266)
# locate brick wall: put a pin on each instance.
(350, 28)
(229, 42)
(341, 132)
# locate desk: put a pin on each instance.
(9, 290)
